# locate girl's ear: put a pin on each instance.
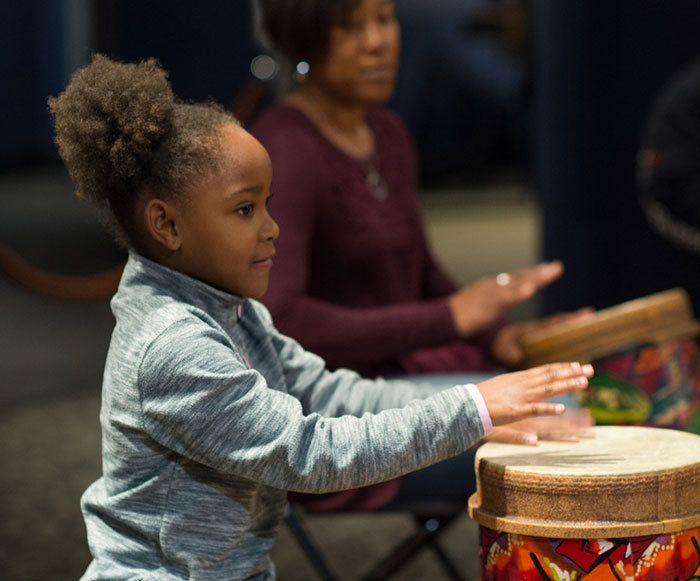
(161, 223)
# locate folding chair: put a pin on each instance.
(431, 518)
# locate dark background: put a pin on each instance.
(563, 110)
(552, 94)
(599, 67)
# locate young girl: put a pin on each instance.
(209, 415)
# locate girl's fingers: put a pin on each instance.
(557, 371)
(543, 408)
(509, 435)
(560, 437)
(522, 394)
(560, 387)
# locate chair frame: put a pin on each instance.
(431, 520)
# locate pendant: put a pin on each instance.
(376, 185)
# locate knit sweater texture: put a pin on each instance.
(210, 415)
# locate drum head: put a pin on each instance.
(625, 481)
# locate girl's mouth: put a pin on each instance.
(264, 262)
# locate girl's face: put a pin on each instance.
(226, 234)
(361, 62)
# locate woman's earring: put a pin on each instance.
(301, 71)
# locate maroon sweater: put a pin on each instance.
(353, 279)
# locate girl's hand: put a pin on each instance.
(521, 395)
(477, 306)
(507, 346)
(572, 425)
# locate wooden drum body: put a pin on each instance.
(624, 505)
(646, 359)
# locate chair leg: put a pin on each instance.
(307, 545)
(428, 530)
(446, 561)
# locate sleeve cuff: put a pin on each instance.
(481, 406)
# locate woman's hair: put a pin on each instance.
(120, 129)
(300, 29)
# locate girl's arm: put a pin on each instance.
(199, 399)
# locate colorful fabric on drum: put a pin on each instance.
(654, 385)
(511, 557)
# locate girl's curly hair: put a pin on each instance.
(119, 129)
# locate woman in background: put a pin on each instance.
(355, 281)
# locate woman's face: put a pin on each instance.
(362, 59)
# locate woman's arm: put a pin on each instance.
(343, 336)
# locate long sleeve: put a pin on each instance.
(200, 400)
(454, 356)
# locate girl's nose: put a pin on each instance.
(270, 229)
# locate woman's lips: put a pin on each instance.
(379, 73)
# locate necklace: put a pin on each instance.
(330, 130)
(373, 178)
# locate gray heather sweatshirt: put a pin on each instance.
(210, 415)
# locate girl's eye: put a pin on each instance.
(267, 200)
(246, 210)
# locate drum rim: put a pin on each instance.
(654, 319)
(522, 500)
(577, 530)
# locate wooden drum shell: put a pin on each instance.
(648, 320)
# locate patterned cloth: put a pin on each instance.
(667, 557)
(653, 385)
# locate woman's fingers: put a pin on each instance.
(480, 304)
(529, 280)
(547, 272)
(564, 317)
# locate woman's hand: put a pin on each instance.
(478, 305)
(507, 345)
(521, 395)
(572, 425)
